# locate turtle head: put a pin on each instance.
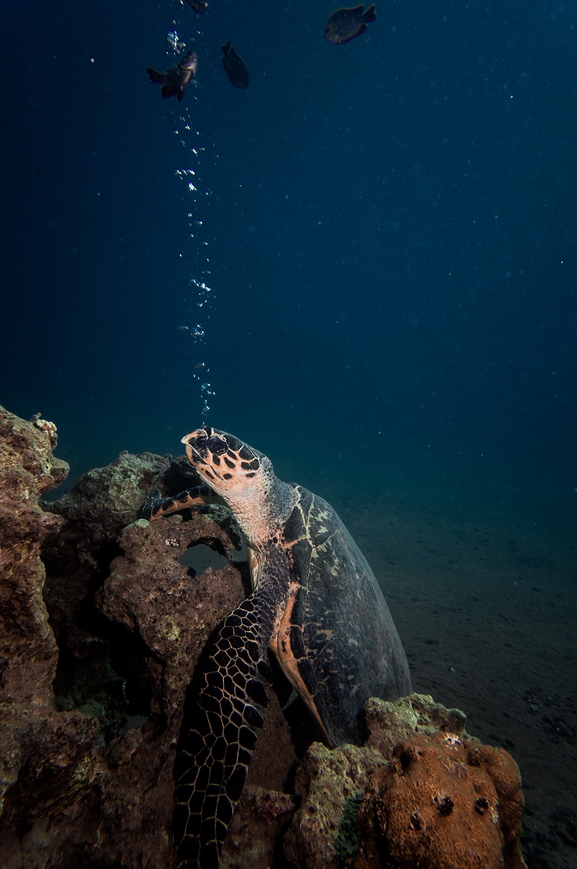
(243, 477)
(226, 463)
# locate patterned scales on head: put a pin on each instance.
(316, 604)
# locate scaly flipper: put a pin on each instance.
(213, 763)
(156, 506)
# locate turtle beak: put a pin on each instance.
(196, 446)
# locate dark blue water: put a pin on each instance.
(388, 231)
(387, 228)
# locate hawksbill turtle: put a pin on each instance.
(315, 603)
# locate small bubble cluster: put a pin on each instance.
(173, 41)
(203, 292)
(187, 175)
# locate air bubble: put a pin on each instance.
(201, 294)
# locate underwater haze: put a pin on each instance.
(364, 265)
(387, 228)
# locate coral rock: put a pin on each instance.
(257, 824)
(505, 775)
(43, 752)
(150, 593)
(420, 792)
(104, 500)
(323, 832)
(437, 806)
(390, 722)
(28, 652)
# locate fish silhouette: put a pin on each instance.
(346, 23)
(199, 6)
(234, 66)
(176, 79)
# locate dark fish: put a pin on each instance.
(234, 66)
(176, 79)
(345, 24)
(199, 6)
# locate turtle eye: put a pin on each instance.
(200, 440)
(217, 446)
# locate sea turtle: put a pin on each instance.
(315, 603)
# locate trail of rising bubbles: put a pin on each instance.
(201, 298)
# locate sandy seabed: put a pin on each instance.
(484, 596)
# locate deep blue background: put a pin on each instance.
(388, 231)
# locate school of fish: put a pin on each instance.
(342, 26)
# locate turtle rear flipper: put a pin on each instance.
(213, 763)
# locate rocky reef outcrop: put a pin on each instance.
(443, 800)
(101, 629)
(420, 792)
(103, 624)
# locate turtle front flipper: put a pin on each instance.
(156, 506)
(213, 763)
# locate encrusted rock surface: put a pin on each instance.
(256, 828)
(105, 500)
(420, 792)
(27, 470)
(331, 783)
(438, 805)
(151, 594)
(389, 723)
(28, 652)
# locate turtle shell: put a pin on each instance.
(337, 641)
